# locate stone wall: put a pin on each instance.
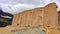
(46, 16)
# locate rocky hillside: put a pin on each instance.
(5, 19)
(59, 17)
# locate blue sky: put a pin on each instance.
(16, 6)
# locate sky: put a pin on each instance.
(17, 6)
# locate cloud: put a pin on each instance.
(13, 9)
(58, 3)
(16, 6)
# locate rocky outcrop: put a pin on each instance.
(59, 18)
(46, 16)
(5, 19)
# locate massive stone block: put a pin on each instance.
(46, 16)
(29, 18)
(51, 15)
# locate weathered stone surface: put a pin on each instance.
(46, 16)
(34, 30)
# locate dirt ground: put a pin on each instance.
(54, 31)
